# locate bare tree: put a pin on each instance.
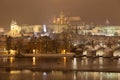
(8, 44)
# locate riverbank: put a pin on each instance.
(37, 55)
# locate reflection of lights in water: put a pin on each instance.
(74, 75)
(98, 76)
(15, 72)
(33, 76)
(5, 59)
(34, 51)
(11, 59)
(26, 71)
(84, 60)
(108, 76)
(59, 73)
(64, 58)
(119, 61)
(101, 60)
(101, 75)
(44, 73)
(86, 75)
(111, 76)
(118, 76)
(74, 63)
(33, 62)
(44, 76)
(95, 76)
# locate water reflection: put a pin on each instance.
(84, 61)
(5, 59)
(74, 75)
(44, 73)
(26, 71)
(59, 75)
(12, 59)
(33, 61)
(64, 61)
(74, 63)
(101, 60)
(118, 76)
(95, 75)
(15, 72)
(33, 76)
(63, 73)
(101, 76)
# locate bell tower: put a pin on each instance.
(14, 29)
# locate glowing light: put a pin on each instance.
(119, 61)
(44, 73)
(15, 72)
(116, 53)
(101, 74)
(74, 63)
(26, 71)
(64, 58)
(101, 60)
(63, 51)
(95, 75)
(44, 28)
(35, 34)
(11, 59)
(100, 53)
(85, 53)
(12, 51)
(5, 59)
(34, 51)
(118, 76)
(33, 76)
(74, 75)
(84, 61)
(34, 61)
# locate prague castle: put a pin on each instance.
(58, 25)
(62, 23)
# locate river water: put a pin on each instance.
(37, 68)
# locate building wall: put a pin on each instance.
(18, 30)
(57, 28)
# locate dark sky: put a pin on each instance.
(41, 11)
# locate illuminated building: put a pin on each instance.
(29, 30)
(58, 25)
(63, 23)
(14, 29)
(26, 30)
(105, 30)
(2, 31)
(61, 19)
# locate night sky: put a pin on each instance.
(41, 11)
